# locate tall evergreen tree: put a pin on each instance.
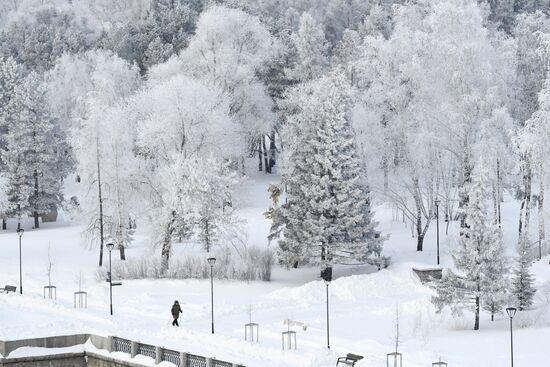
(496, 282)
(327, 215)
(312, 49)
(522, 280)
(36, 154)
(10, 76)
(478, 259)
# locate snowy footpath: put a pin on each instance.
(362, 304)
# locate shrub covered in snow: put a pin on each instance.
(252, 264)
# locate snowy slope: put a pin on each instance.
(362, 302)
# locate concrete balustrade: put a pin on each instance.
(90, 359)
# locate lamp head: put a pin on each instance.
(437, 201)
(511, 311)
(20, 231)
(110, 246)
(211, 261)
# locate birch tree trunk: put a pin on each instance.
(524, 216)
(542, 230)
(418, 204)
(260, 163)
(100, 198)
(167, 243)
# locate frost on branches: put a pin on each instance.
(523, 288)
(327, 216)
(479, 260)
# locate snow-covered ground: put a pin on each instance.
(362, 303)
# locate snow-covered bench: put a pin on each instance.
(348, 360)
(8, 289)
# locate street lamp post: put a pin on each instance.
(20, 232)
(326, 274)
(110, 247)
(212, 261)
(511, 311)
(437, 201)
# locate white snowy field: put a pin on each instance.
(362, 302)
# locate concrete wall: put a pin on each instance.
(59, 360)
(49, 342)
(95, 360)
(81, 359)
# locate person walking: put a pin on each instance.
(176, 310)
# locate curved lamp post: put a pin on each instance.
(326, 274)
(511, 311)
(20, 232)
(212, 261)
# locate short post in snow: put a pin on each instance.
(110, 247)
(326, 275)
(212, 261)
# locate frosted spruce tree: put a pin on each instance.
(496, 281)
(311, 48)
(10, 77)
(522, 280)
(36, 154)
(327, 217)
(479, 259)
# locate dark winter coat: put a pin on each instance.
(176, 310)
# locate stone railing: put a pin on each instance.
(115, 344)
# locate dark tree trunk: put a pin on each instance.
(167, 244)
(466, 180)
(476, 324)
(272, 151)
(266, 160)
(35, 212)
(100, 198)
(260, 162)
(122, 251)
(4, 224)
(418, 225)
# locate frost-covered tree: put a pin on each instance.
(37, 39)
(531, 73)
(36, 155)
(311, 48)
(164, 30)
(85, 91)
(479, 260)
(10, 76)
(209, 187)
(230, 50)
(327, 213)
(177, 120)
(404, 88)
(531, 140)
(496, 281)
(523, 288)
